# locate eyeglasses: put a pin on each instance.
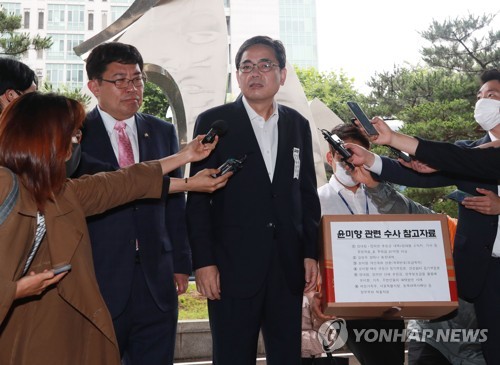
(125, 83)
(262, 66)
(77, 136)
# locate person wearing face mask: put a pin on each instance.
(477, 242)
(345, 194)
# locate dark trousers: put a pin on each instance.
(325, 361)
(487, 306)
(376, 353)
(421, 353)
(235, 324)
(146, 335)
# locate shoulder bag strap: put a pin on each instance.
(9, 202)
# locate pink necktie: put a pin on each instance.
(125, 152)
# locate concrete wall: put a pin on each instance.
(194, 341)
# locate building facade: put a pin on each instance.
(70, 22)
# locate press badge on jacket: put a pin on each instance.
(296, 159)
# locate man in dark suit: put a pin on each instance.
(140, 250)
(255, 243)
(477, 241)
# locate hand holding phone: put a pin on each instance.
(338, 145)
(362, 118)
(458, 195)
(60, 269)
(402, 155)
(232, 164)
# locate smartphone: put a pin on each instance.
(402, 155)
(362, 118)
(232, 164)
(61, 269)
(458, 195)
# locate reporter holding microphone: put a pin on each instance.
(477, 243)
(47, 318)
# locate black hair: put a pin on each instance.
(276, 45)
(489, 75)
(348, 131)
(106, 53)
(15, 75)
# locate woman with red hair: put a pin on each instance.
(48, 318)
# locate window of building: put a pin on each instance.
(104, 19)
(117, 11)
(11, 8)
(26, 19)
(72, 41)
(56, 17)
(55, 74)
(75, 17)
(74, 76)
(90, 21)
(40, 19)
(63, 45)
(56, 51)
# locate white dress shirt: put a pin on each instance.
(131, 130)
(496, 244)
(331, 194)
(266, 132)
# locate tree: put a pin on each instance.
(154, 102)
(437, 101)
(65, 90)
(13, 43)
(467, 45)
(334, 90)
(409, 87)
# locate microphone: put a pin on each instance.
(338, 145)
(219, 128)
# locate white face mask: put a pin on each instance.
(487, 113)
(343, 176)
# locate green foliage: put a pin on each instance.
(467, 44)
(434, 198)
(192, 305)
(447, 131)
(154, 102)
(13, 43)
(437, 101)
(441, 110)
(65, 90)
(406, 88)
(334, 90)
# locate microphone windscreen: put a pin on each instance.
(220, 126)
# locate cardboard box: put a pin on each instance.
(387, 266)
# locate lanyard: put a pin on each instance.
(348, 207)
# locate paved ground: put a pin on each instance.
(262, 361)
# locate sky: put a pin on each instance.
(369, 36)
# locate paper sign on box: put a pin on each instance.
(387, 266)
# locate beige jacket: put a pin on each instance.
(69, 323)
